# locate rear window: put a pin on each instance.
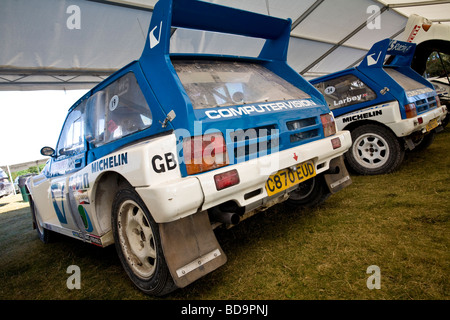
(411, 86)
(345, 91)
(224, 83)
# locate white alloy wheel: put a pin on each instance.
(371, 150)
(137, 239)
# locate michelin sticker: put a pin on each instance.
(110, 162)
(363, 116)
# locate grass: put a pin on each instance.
(399, 222)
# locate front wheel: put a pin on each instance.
(375, 150)
(138, 244)
(44, 235)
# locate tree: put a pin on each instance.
(438, 65)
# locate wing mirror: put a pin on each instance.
(48, 151)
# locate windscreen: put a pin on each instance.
(224, 83)
(411, 86)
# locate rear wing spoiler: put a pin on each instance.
(401, 54)
(195, 14)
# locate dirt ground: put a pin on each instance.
(12, 202)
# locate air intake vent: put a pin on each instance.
(305, 129)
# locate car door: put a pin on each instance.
(69, 158)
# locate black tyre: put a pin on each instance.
(375, 150)
(44, 235)
(138, 244)
(309, 193)
(424, 142)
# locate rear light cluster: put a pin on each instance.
(410, 110)
(208, 152)
(328, 124)
(329, 129)
(204, 153)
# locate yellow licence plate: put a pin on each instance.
(432, 124)
(286, 178)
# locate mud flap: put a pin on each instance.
(190, 248)
(338, 177)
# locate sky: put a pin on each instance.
(31, 120)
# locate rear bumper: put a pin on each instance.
(177, 199)
(406, 127)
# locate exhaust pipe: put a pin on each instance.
(225, 217)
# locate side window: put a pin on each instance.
(345, 91)
(71, 140)
(117, 111)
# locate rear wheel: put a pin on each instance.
(424, 141)
(138, 244)
(309, 193)
(375, 150)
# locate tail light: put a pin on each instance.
(328, 124)
(410, 110)
(226, 179)
(438, 101)
(204, 153)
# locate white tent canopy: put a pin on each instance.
(62, 44)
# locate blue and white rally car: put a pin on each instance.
(173, 145)
(388, 107)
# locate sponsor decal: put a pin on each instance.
(349, 99)
(416, 92)
(57, 192)
(89, 238)
(79, 182)
(363, 116)
(399, 48)
(154, 41)
(110, 162)
(259, 108)
(85, 217)
(414, 33)
(371, 60)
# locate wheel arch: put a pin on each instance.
(104, 190)
(353, 125)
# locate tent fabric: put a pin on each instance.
(74, 44)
